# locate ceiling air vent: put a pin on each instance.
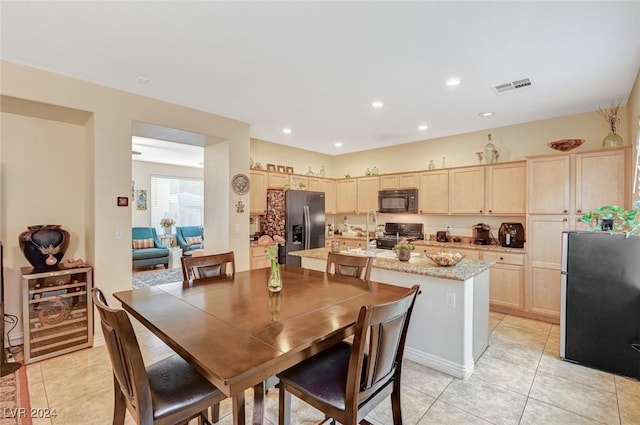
(512, 85)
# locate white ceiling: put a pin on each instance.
(317, 66)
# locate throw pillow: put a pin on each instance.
(193, 239)
(143, 243)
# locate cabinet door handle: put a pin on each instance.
(490, 211)
(501, 258)
(564, 220)
(565, 211)
(579, 211)
(480, 211)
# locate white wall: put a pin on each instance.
(141, 172)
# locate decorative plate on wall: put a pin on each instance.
(240, 184)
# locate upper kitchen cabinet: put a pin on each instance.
(506, 188)
(258, 193)
(549, 184)
(346, 196)
(368, 193)
(315, 184)
(466, 190)
(434, 192)
(329, 189)
(601, 179)
(277, 180)
(399, 181)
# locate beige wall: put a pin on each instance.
(141, 175)
(107, 145)
(633, 118)
(300, 159)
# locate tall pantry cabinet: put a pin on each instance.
(561, 188)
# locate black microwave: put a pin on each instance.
(398, 201)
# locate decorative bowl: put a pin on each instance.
(564, 145)
(445, 259)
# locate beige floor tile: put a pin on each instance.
(441, 413)
(513, 352)
(494, 320)
(539, 413)
(479, 398)
(535, 337)
(76, 360)
(591, 377)
(552, 346)
(34, 373)
(578, 398)
(504, 374)
(65, 389)
(94, 407)
(524, 323)
(301, 412)
(414, 406)
(424, 379)
(628, 400)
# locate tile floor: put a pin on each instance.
(518, 380)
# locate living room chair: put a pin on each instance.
(147, 250)
(167, 392)
(347, 381)
(350, 265)
(213, 265)
(189, 238)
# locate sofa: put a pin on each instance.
(189, 238)
(147, 249)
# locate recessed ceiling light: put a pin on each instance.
(338, 144)
(485, 114)
(423, 127)
(286, 131)
(377, 104)
(142, 80)
(452, 82)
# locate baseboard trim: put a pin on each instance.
(438, 363)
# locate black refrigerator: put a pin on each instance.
(304, 223)
(600, 307)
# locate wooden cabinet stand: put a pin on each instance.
(57, 312)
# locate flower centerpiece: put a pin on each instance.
(404, 248)
(166, 224)
(271, 248)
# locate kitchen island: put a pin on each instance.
(449, 327)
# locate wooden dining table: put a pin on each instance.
(237, 334)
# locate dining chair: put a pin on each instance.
(347, 381)
(350, 265)
(194, 268)
(167, 392)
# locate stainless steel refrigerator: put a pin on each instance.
(304, 223)
(600, 307)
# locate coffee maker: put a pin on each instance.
(481, 234)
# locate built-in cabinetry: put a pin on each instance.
(560, 189)
(466, 190)
(258, 192)
(367, 193)
(57, 312)
(507, 281)
(434, 192)
(258, 257)
(346, 196)
(399, 181)
(506, 188)
(329, 189)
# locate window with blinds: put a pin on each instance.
(181, 199)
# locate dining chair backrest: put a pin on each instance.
(350, 265)
(194, 268)
(126, 359)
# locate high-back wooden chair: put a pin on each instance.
(194, 268)
(347, 381)
(350, 265)
(167, 392)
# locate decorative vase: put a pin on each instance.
(44, 245)
(167, 230)
(432, 166)
(489, 152)
(275, 281)
(612, 140)
(404, 254)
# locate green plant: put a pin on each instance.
(614, 219)
(404, 244)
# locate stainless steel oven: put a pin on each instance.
(398, 201)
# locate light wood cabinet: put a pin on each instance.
(258, 257)
(258, 193)
(601, 179)
(389, 182)
(329, 189)
(399, 181)
(434, 192)
(299, 182)
(507, 282)
(368, 194)
(466, 190)
(506, 189)
(277, 180)
(346, 196)
(315, 184)
(549, 184)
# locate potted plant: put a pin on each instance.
(167, 224)
(404, 248)
(614, 219)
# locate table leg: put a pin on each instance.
(258, 403)
(237, 408)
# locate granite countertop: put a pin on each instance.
(419, 265)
